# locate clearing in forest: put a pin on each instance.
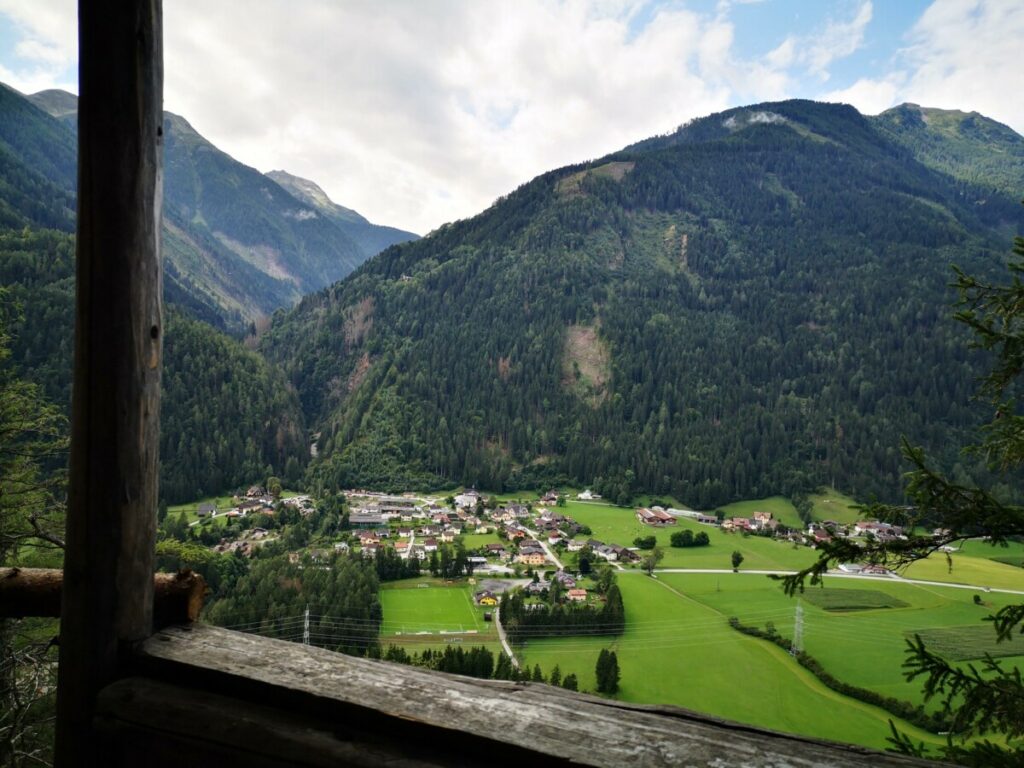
(585, 363)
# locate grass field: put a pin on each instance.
(866, 647)
(969, 642)
(781, 508)
(433, 616)
(477, 540)
(832, 505)
(223, 504)
(678, 649)
(851, 599)
(981, 571)
(616, 525)
(1017, 561)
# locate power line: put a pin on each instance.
(798, 630)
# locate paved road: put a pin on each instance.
(547, 549)
(503, 639)
(841, 575)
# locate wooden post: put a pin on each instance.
(115, 420)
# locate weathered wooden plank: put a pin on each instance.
(160, 724)
(112, 498)
(177, 597)
(412, 706)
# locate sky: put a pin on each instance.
(420, 112)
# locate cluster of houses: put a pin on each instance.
(613, 553)
(761, 521)
(256, 501)
(422, 526)
(655, 516)
(244, 545)
(567, 582)
(570, 591)
(827, 530)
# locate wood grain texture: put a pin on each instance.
(177, 597)
(457, 720)
(115, 419)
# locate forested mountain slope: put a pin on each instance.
(236, 244)
(753, 304)
(970, 147)
(227, 417)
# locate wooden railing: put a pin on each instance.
(200, 695)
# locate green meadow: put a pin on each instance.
(618, 525)
(678, 649)
(832, 505)
(419, 617)
(863, 647)
(223, 504)
(781, 508)
(477, 540)
(973, 565)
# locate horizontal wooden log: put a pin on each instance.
(163, 725)
(177, 597)
(434, 718)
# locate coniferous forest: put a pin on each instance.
(743, 307)
(727, 312)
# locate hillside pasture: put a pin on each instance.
(832, 505)
(851, 599)
(618, 525)
(680, 650)
(963, 568)
(782, 509)
(972, 641)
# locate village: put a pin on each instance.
(499, 538)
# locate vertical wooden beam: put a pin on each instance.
(115, 420)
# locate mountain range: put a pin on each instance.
(237, 243)
(237, 246)
(756, 303)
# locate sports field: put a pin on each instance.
(432, 616)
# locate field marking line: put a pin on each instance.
(472, 613)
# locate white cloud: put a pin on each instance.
(867, 95)
(815, 52)
(966, 55)
(418, 113)
(48, 46)
(961, 54)
(838, 40)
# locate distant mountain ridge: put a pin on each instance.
(237, 245)
(371, 238)
(757, 303)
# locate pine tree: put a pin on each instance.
(569, 683)
(611, 681)
(556, 676)
(601, 671)
(988, 697)
(538, 676)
